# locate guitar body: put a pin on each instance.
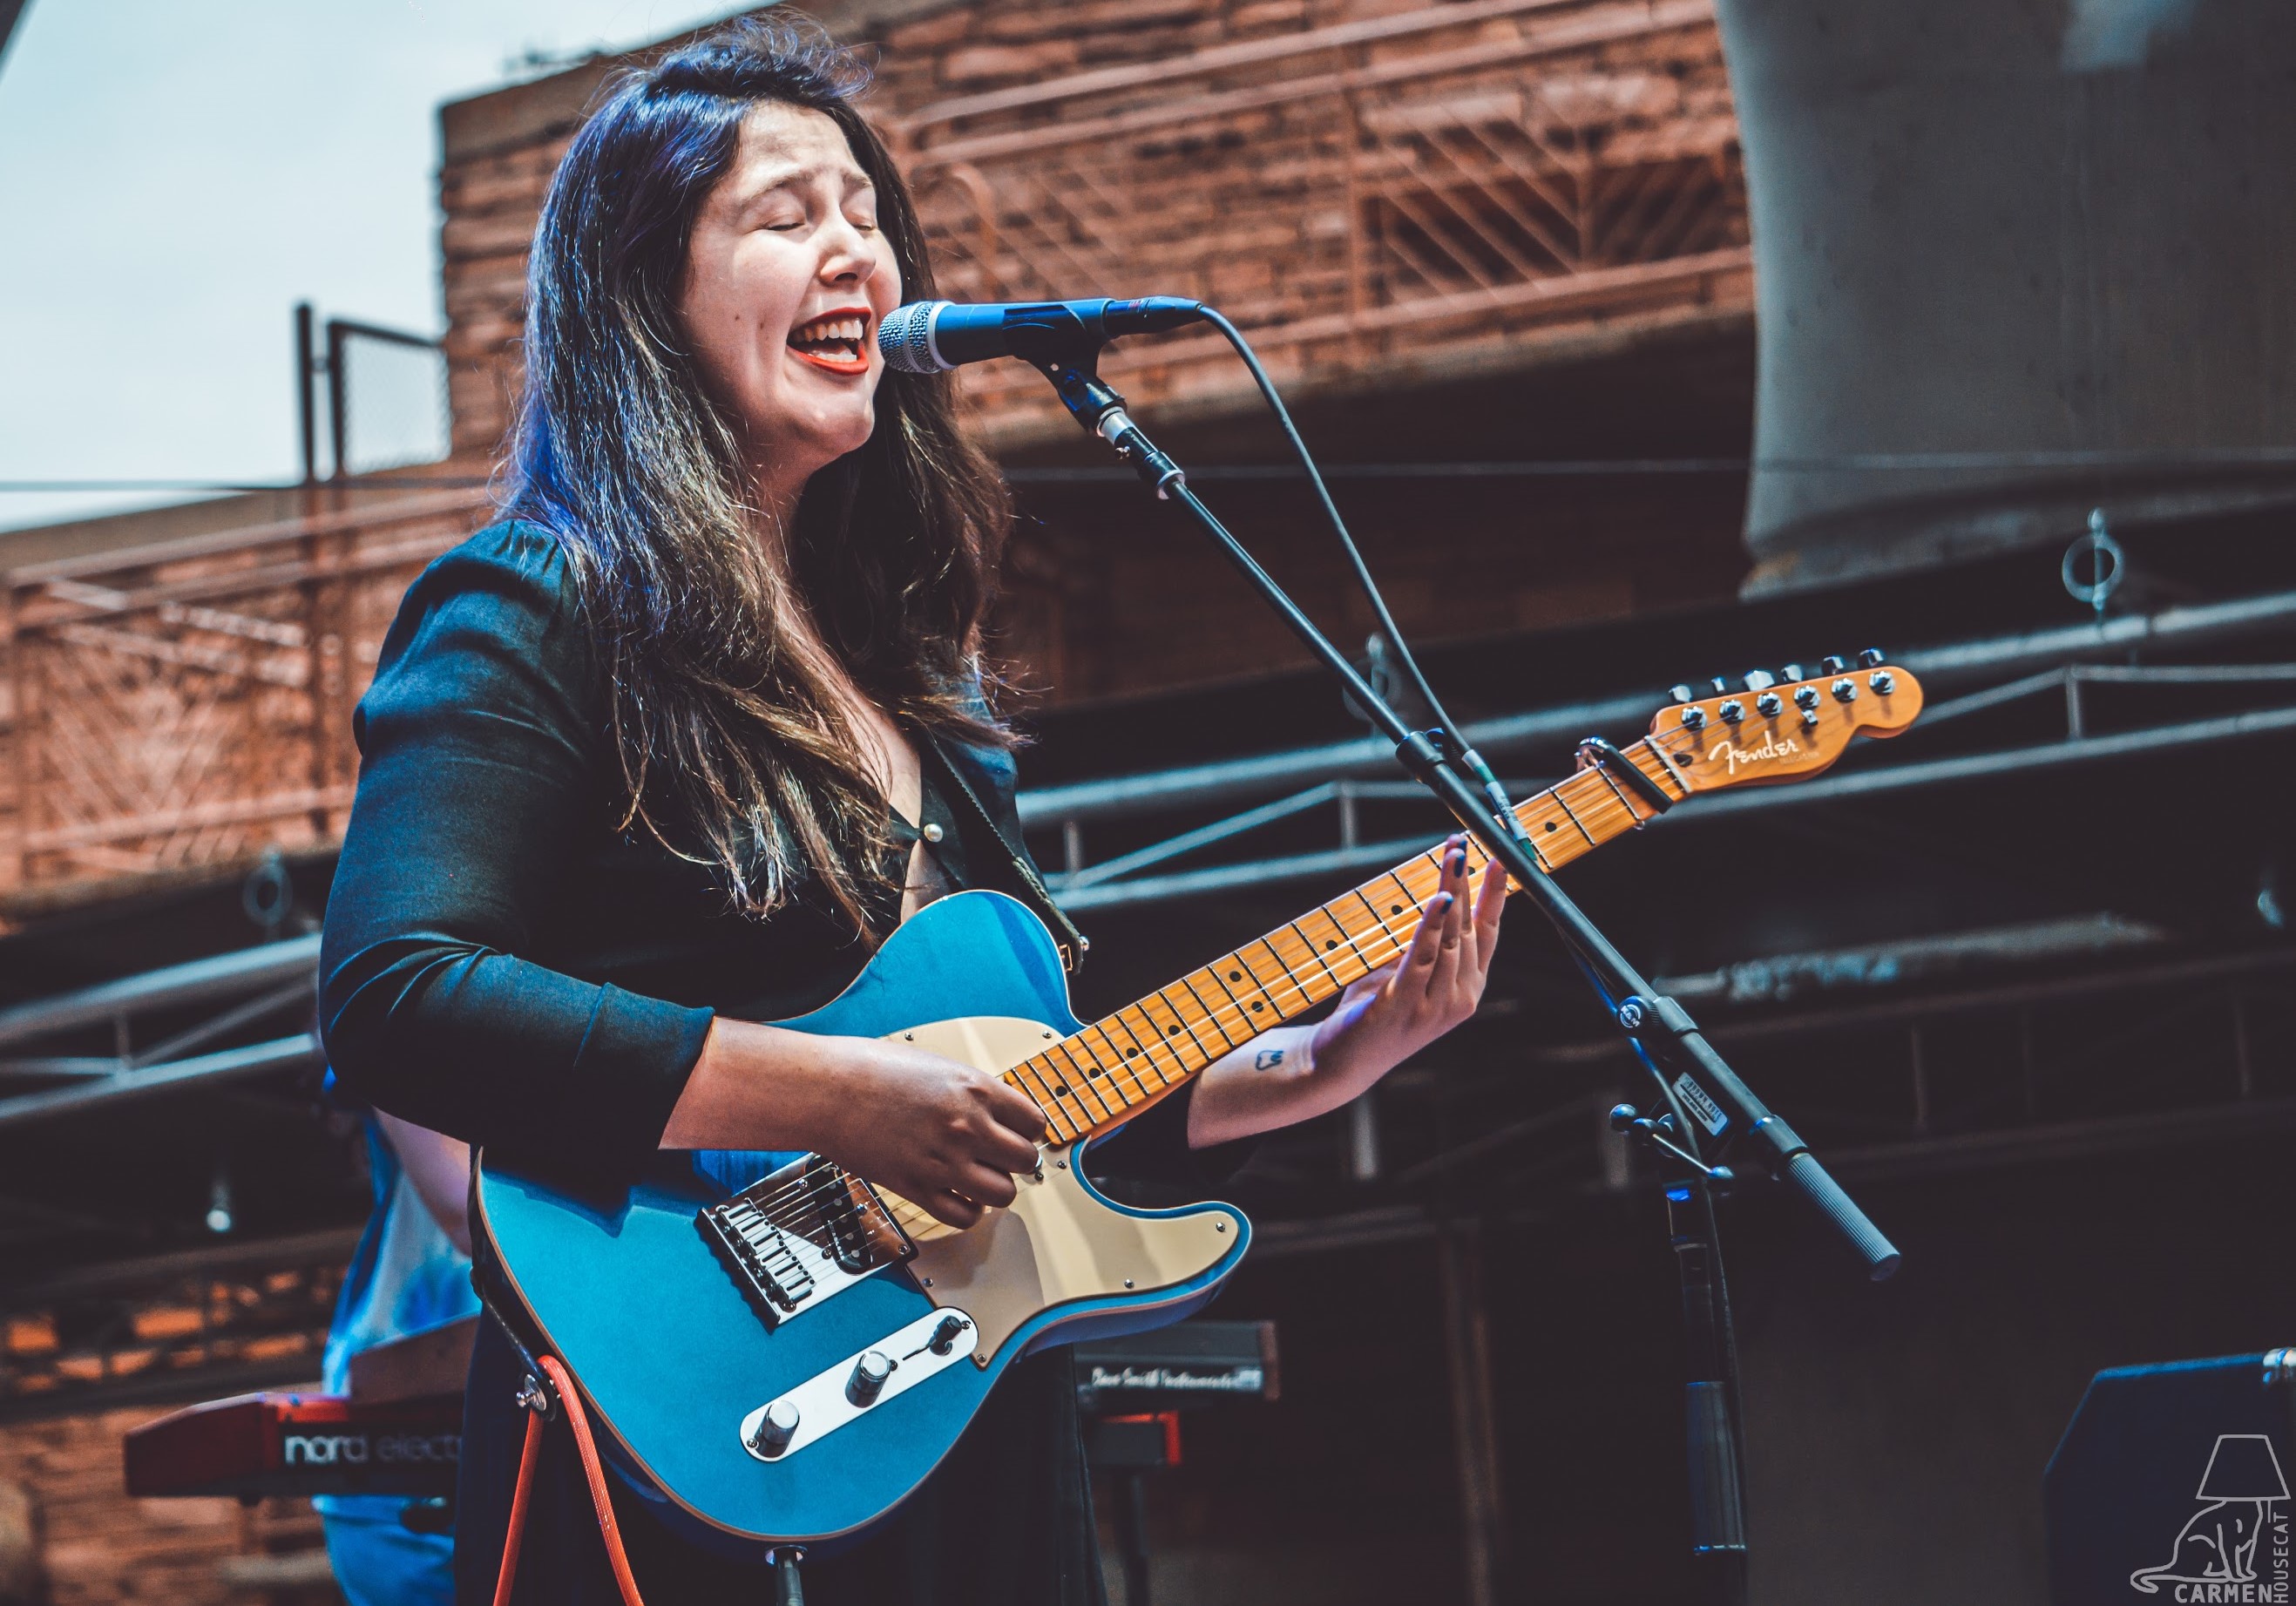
(676, 1358)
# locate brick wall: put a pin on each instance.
(500, 149)
(101, 1548)
(1079, 620)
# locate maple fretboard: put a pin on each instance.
(1106, 1073)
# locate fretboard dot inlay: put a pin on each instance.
(1256, 1006)
(1550, 825)
(1236, 975)
(1171, 1031)
(1329, 944)
(1131, 1053)
(1060, 1090)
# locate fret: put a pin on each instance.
(1242, 1015)
(1333, 935)
(1619, 791)
(1281, 970)
(1128, 1060)
(1141, 1049)
(1600, 811)
(1575, 820)
(1156, 1042)
(1211, 1015)
(1308, 943)
(1104, 1055)
(1544, 862)
(1410, 900)
(1078, 1079)
(1044, 1081)
(1177, 1063)
(1092, 1084)
(1378, 920)
(1182, 1023)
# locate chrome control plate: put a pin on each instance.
(824, 1405)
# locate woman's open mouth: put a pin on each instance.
(834, 341)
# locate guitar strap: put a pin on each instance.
(1073, 944)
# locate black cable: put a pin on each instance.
(1219, 321)
(1502, 805)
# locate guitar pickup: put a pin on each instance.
(809, 1230)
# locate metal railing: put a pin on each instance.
(386, 400)
(1378, 189)
(183, 709)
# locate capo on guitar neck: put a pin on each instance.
(1597, 753)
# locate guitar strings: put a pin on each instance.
(796, 1195)
(805, 1191)
(1602, 809)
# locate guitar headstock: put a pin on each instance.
(1782, 727)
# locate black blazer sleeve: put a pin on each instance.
(483, 762)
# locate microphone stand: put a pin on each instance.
(1658, 1028)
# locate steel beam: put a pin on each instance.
(2090, 749)
(223, 975)
(207, 1070)
(1195, 785)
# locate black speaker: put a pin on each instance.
(2172, 1484)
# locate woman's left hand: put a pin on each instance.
(1397, 1010)
(1293, 1073)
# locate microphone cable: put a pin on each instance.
(1502, 805)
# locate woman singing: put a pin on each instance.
(668, 750)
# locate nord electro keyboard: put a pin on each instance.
(260, 1445)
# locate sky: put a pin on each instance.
(175, 177)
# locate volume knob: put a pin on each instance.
(775, 1429)
(869, 1375)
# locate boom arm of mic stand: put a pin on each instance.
(1660, 1023)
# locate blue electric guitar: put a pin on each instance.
(786, 1362)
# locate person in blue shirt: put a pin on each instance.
(411, 1273)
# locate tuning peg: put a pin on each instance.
(1789, 671)
(1693, 718)
(1719, 684)
(1733, 710)
(1760, 680)
(1871, 657)
(1769, 703)
(1683, 694)
(1833, 663)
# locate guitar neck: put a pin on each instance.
(1122, 1062)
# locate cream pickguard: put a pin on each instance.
(1056, 1242)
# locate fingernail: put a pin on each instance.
(1442, 901)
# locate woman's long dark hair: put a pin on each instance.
(735, 749)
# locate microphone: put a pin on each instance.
(934, 337)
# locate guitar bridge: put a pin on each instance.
(804, 1233)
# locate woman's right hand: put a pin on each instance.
(941, 1134)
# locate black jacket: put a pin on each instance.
(504, 964)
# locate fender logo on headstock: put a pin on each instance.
(1772, 747)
